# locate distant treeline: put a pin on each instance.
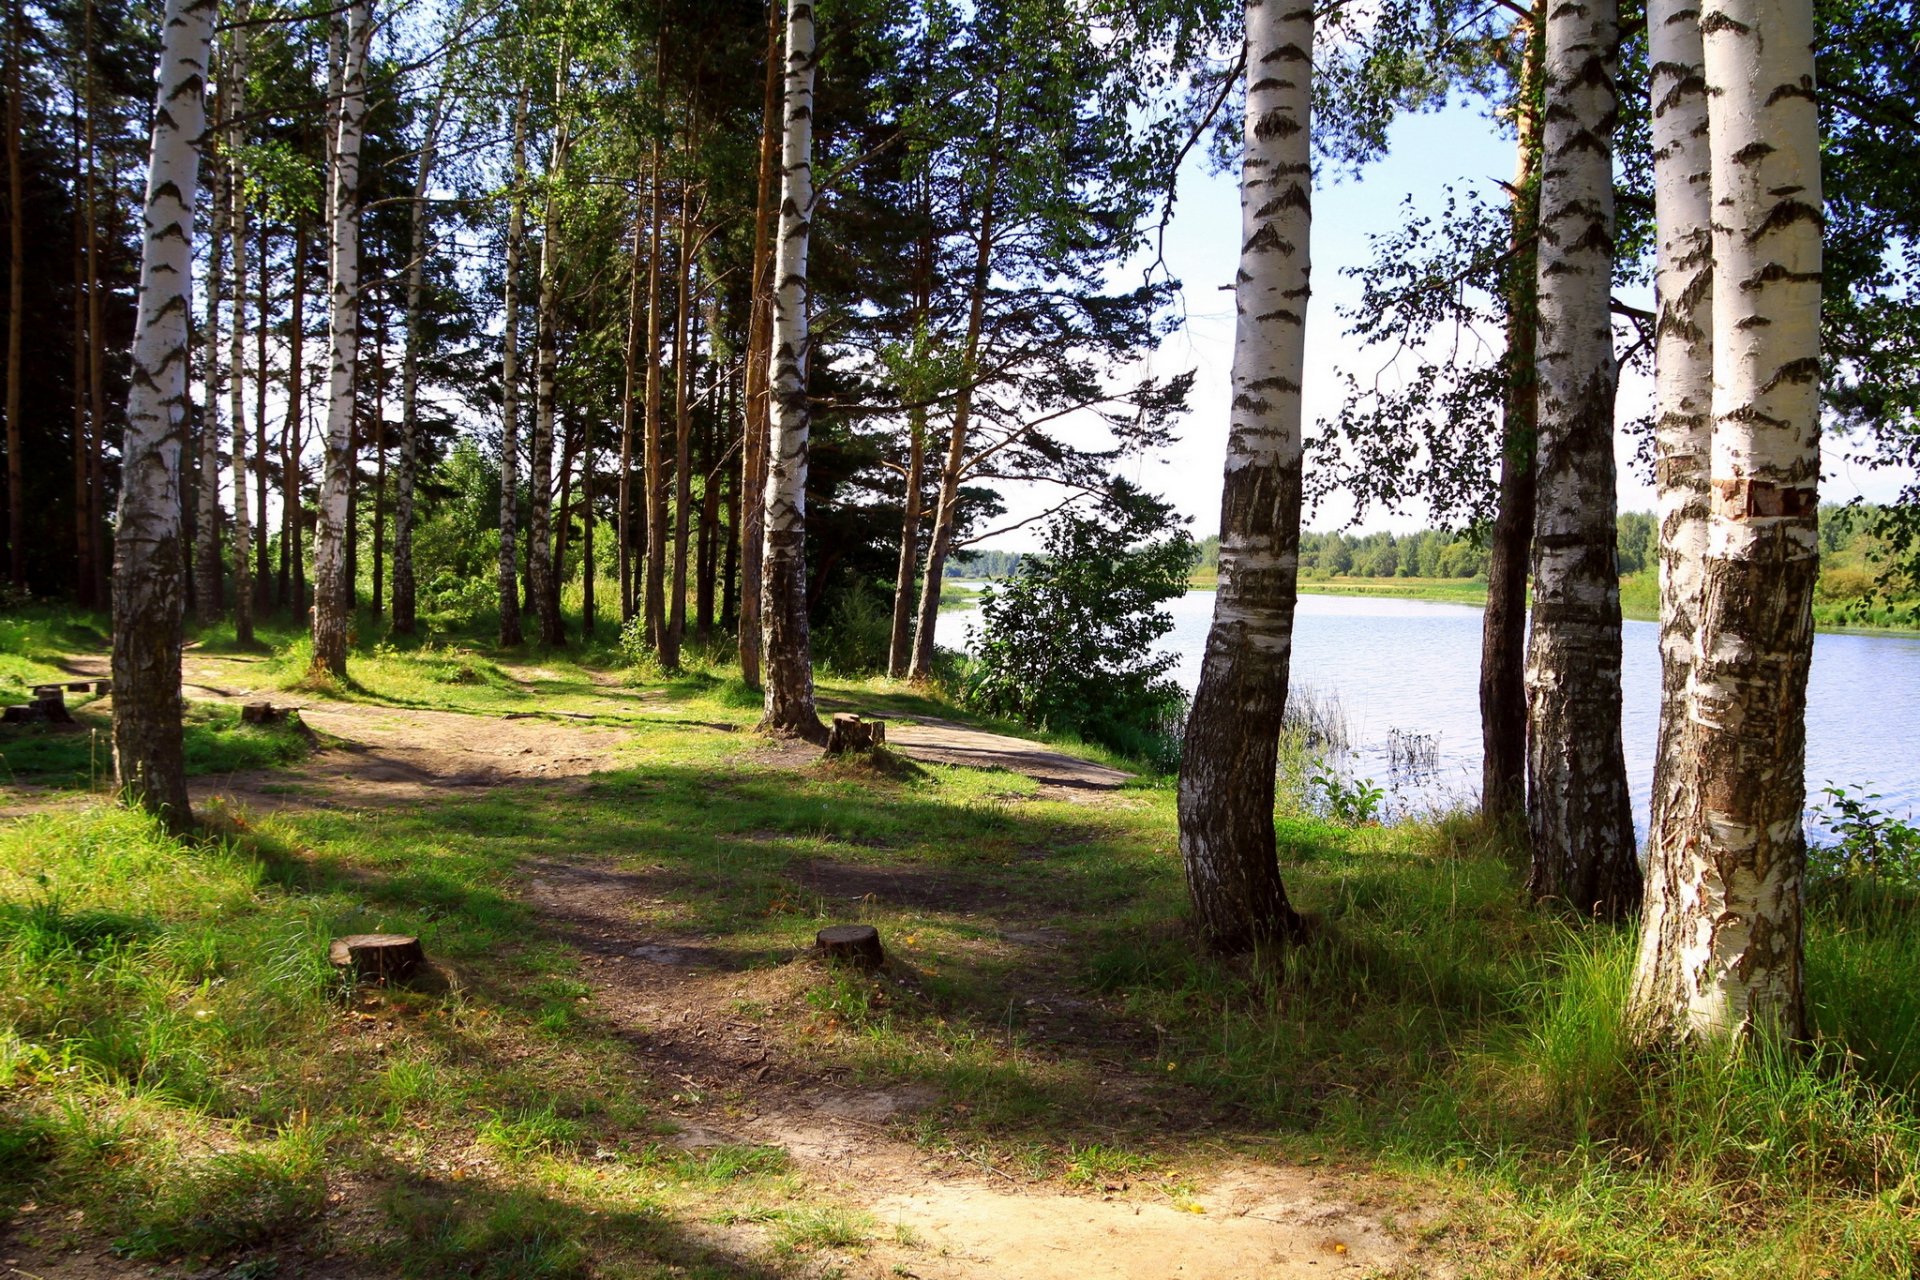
(1429, 553)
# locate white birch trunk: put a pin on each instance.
(237, 335)
(541, 580)
(784, 638)
(1683, 438)
(1728, 960)
(1233, 732)
(149, 568)
(330, 590)
(1579, 813)
(509, 580)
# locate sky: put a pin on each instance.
(1456, 145)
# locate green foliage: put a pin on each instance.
(1351, 803)
(1066, 643)
(1872, 844)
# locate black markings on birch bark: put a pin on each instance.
(1232, 741)
(149, 565)
(1579, 813)
(784, 638)
(332, 592)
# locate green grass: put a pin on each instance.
(177, 1058)
(80, 755)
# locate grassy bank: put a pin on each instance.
(183, 1073)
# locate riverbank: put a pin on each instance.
(1639, 600)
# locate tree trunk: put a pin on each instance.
(291, 552)
(629, 402)
(753, 445)
(946, 511)
(332, 589)
(16, 308)
(1725, 959)
(784, 641)
(403, 580)
(509, 578)
(210, 572)
(82, 530)
(1503, 634)
(262, 471)
(586, 525)
(237, 336)
(148, 555)
(379, 461)
(1579, 814)
(1233, 733)
(95, 587)
(682, 435)
(1683, 442)
(546, 586)
(653, 591)
(900, 643)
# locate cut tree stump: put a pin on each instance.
(50, 691)
(24, 713)
(851, 733)
(378, 957)
(262, 713)
(855, 944)
(49, 706)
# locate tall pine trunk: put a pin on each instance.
(1233, 732)
(1503, 632)
(291, 552)
(1723, 952)
(262, 470)
(629, 404)
(900, 638)
(148, 555)
(753, 442)
(509, 577)
(237, 334)
(1579, 815)
(403, 580)
(95, 585)
(784, 640)
(16, 307)
(545, 582)
(682, 436)
(332, 587)
(653, 599)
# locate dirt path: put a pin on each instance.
(940, 1215)
(945, 742)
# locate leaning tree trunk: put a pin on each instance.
(1503, 631)
(237, 335)
(784, 641)
(753, 443)
(403, 582)
(208, 569)
(148, 556)
(330, 585)
(1726, 960)
(1683, 442)
(509, 577)
(1233, 732)
(1579, 815)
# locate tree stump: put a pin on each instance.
(855, 944)
(25, 713)
(378, 957)
(50, 691)
(851, 733)
(262, 713)
(49, 706)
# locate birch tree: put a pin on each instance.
(1226, 786)
(1722, 948)
(784, 640)
(332, 592)
(542, 584)
(149, 568)
(1579, 813)
(1683, 423)
(209, 570)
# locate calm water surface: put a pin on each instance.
(1411, 667)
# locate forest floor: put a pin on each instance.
(628, 1062)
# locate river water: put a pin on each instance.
(1406, 673)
